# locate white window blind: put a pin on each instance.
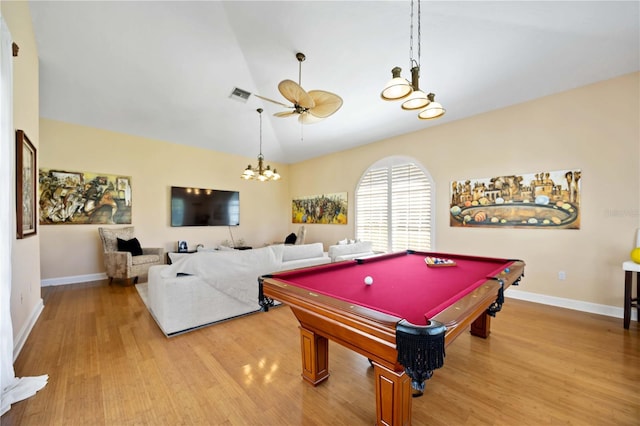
(393, 208)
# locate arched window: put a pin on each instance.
(394, 205)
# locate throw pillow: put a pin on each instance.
(132, 246)
(291, 238)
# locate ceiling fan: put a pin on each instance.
(312, 106)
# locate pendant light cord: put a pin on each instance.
(412, 61)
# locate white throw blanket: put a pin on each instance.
(234, 273)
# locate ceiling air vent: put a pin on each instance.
(239, 94)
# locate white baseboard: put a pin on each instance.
(21, 337)
(73, 279)
(576, 305)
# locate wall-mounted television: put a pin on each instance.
(204, 207)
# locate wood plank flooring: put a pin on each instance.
(109, 364)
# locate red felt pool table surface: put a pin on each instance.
(403, 285)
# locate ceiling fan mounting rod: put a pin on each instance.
(300, 57)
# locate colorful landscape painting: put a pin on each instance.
(536, 200)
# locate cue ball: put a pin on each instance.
(368, 280)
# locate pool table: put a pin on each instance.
(400, 310)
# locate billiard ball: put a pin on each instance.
(368, 280)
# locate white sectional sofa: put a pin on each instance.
(205, 287)
(348, 251)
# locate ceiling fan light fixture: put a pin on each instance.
(397, 88)
(433, 110)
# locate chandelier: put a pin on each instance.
(260, 172)
(399, 88)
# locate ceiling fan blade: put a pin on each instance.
(295, 94)
(327, 103)
(272, 101)
(285, 113)
(308, 118)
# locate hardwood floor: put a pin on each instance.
(109, 364)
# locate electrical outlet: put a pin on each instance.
(562, 275)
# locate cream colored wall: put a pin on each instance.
(154, 166)
(25, 260)
(594, 128)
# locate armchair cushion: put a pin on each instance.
(132, 246)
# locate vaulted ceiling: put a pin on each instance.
(165, 70)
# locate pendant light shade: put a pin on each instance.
(397, 88)
(417, 99)
(433, 110)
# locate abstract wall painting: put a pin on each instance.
(549, 200)
(323, 209)
(84, 198)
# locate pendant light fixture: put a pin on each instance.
(399, 88)
(260, 172)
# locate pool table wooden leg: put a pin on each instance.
(315, 356)
(481, 327)
(393, 397)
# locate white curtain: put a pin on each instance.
(13, 389)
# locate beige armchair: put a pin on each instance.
(123, 264)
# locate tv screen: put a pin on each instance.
(204, 207)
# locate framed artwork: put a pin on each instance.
(25, 186)
(326, 209)
(544, 200)
(84, 198)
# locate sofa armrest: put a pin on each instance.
(153, 250)
(114, 258)
(180, 303)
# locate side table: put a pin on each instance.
(629, 268)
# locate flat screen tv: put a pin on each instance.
(204, 207)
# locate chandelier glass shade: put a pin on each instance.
(399, 88)
(433, 109)
(261, 172)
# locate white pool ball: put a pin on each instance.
(368, 280)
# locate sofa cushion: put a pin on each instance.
(350, 251)
(304, 263)
(291, 238)
(144, 259)
(132, 246)
(303, 251)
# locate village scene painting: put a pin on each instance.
(84, 198)
(537, 200)
(326, 209)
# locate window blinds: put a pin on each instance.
(393, 208)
